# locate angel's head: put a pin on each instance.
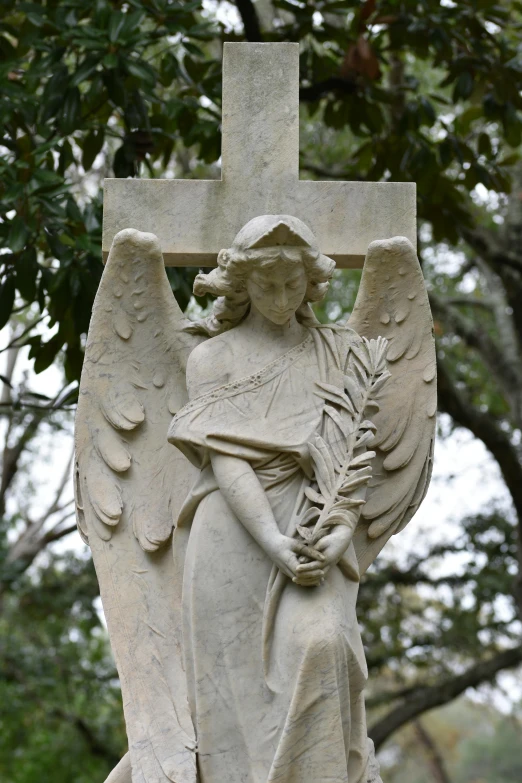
(274, 265)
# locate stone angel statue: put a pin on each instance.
(235, 478)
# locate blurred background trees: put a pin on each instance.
(426, 91)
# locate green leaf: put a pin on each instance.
(7, 295)
(463, 86)
(58, 250)
(65, 239)
(37, 19)
(124, 165)
(110, 60)
(70, 112)
(47, 352)
(7, 50)
(484, 145)
(66, 158)
(26, 270)
(86, 69)
(73, 212)
(141, 71)
(92, 147)
(133, 22)
(18, 234)
(115, 26)
(464, 121)
(192, 49)
(73, 363)
(364, 156)
(115, 87)
(513, 132)
(509, 160)
(47, 177)
(427, 111)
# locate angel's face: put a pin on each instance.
(277, 289)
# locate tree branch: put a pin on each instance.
(487, 429)
(413, 576)
(504, 263)
(506, 323)
(386, 697)
(15, 340)
(56, 535)
(430, 696)
(27, 406)
(469, 301)
(96, 747)
(5, 395)
(434, 758)
(327, 174)
(250, 19)
(12, 454)
(32, 542)
(507, 375)
(334, 84)
(66, 477)
(11, 673)
(485, 244)
(33, 539)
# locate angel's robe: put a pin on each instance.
(275, 671)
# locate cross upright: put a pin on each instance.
(194, 219)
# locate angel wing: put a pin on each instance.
(130, 484)
(392, 302)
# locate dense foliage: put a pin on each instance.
(61, 709)
(429, 92)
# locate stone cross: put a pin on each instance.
(194, 219)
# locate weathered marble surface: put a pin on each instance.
(194, 219)
(229, 562)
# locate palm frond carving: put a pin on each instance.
(342, 458)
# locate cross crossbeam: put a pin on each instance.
(194, 219)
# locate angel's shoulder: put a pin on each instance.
(210, 352)
(208, 365)
(346, 337)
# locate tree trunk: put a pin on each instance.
(433, 756)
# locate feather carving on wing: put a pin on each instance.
(392, 303)
(130, 484)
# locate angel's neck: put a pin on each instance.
(291, 332)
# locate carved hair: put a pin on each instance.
(228, 280)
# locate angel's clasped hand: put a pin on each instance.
(286, 553)
(331, 548)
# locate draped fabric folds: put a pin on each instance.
(275, 671)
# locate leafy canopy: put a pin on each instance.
(426, 91)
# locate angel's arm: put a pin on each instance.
(246, 497)
(235, 476)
